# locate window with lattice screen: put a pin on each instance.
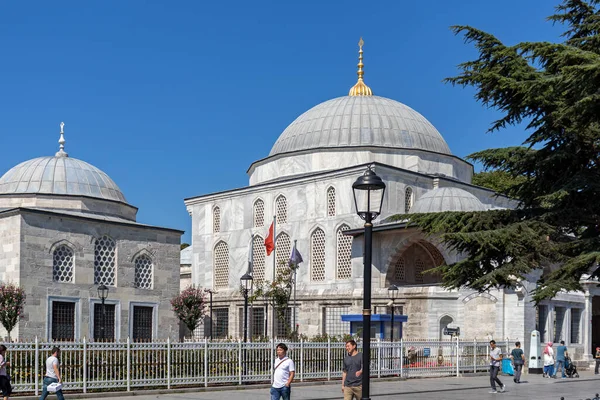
(221, 265)
(419, 269)
(216, 220)
(331, 202)
(317, 255)
(143, 272)
(281, 209)
(105, 261)
(283, 251)
(344, 253)
(399, 270)
(259, 213)
(258, 259)
(62, 264)
(408, 199)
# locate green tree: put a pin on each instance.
(554, 89)
(500, 181)
(12, 301)
(190, 306)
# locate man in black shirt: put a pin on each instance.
(352, 372)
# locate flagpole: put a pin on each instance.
(294, 309)
(274, 269)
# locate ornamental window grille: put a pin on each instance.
(143, 272)
(257, 321)
(334, 326)
(216, 220)
(62, 264)
(221, 322)
(283, 251)
(400, 270)
(408, 199)
(576, 325)
(63, 320)
(419, 269)
(221, 265)
(331, 202)
(142, 323)
(281, 209)
(104, 261)
(258, 259)
(284, 323)
(344, 253)
(437, 257)
(106, 321)
(259, 213)
(317, 255)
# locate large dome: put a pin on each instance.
(360, 121)
(59, 175)
(447, 199)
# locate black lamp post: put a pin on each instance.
(393, 294)
(368, 199)
(246, 281)
(103, 295)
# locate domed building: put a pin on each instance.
(67, 231)
(306, 184)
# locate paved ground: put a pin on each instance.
(533, 387)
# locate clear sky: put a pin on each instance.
(175, 99)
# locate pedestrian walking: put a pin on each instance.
(283, 374)
(52, 376)
(548, 361)
(518, 359)
(561, 353)
(495, 363)
(597, 360)
(4, 377)
(352, 372)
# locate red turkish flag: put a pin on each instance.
(269, 243)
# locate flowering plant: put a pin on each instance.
(190, 306)
(12, 300)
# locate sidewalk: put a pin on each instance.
(474, 387)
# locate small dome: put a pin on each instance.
(447, 199)
(360, 121)
(60, 175)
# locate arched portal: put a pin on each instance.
(410, 265)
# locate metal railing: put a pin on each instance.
(88, 366)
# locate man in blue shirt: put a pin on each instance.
(561, 353)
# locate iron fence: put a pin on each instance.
(88, 366)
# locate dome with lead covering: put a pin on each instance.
(446, 199)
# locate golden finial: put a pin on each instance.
(360, 89)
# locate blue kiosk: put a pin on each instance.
(380, 325)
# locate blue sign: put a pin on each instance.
(426, 352)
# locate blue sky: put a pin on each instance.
(175, 99)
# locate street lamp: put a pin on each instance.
(393, 295)
(103, 294)
(368, 199)
(246, 281)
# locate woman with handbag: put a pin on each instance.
(548, 361)
(518, 358)
(4, 378)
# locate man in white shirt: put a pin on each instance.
(283, 374)
(52, 374)
(495, 363)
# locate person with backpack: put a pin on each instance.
(518, 359)
(283, 374)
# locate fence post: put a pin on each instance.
(84, 365)
(379, 358)
(474, 356)
(128, 364)
(328, 358)
(168, 363)
(457, 357)
(37, 367)
(206, 361)
(301, 360)
(401, 358)
(241, 368)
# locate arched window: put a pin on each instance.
(399, 270)
(258, 259)
(105, 261)
(283, 251)
(317, 255)
(143, 272)
(281, 209)
(419, 269)
(62, 264)
(216, 220)
(408, 199)
(344, 253)
(331, 202)
(259, 213)
(221, 265)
